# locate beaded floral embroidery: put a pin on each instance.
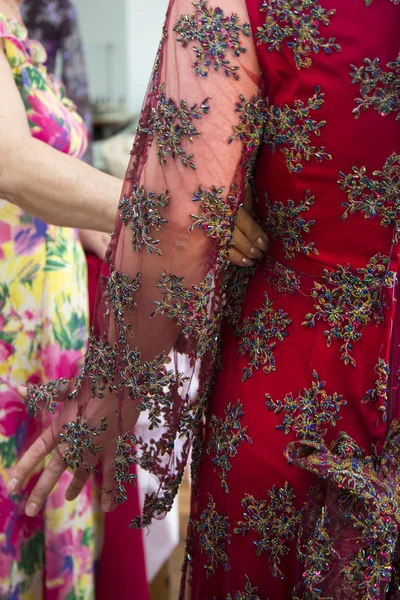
(259, 335)
(309, 414)
(120, 297)
(348, 301)
(250, 130)
(43, 395)
(170, 124)
(290, 129)
(281, 278)
(188, 308)
(298, 22)
(225, 437)
(380, 393)
(349, 531)
(379, 89)
(213, 533)
(78, 439)
(275, 521)
(141, 211)
(286, 224)
(216, 35)
(376, 196)
(249, 593)
(125, 458)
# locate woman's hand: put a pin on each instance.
(95, 242)
(249, 241)
(99, 415)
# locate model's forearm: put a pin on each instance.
(57, 188)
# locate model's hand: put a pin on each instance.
(60, 442)
(249, 241)
(94, 241)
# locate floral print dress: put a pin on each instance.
(43, 328)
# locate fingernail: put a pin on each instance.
(262, 243)
(23, 391)
(32, 510)
(247, 262)
(256, 252)
(12, 485)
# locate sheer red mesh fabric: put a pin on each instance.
(157, 322)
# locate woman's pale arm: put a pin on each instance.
(45, 182)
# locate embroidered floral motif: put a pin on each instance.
(250, 130)
(78, 440)
(123, 465)
(380, 89)
(353, 522)
(259, 335)
(120, 296)
(151, 384)
(213, 531)
(309, 414)
(290, 129)
(317, 554)
(170, 125)
(100, 368)
(379, 394)
(249, 593)
(377, 197)
(217, 215)
(45, 394)
(369, 2)
(217, 36)
(141, 211)
(188, 308)
(225, 437)
(298, 22)
(280, 277)
(274, 520)
(349, 301)
(286, 224)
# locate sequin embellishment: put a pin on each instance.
(380, 393)
(141, 211)
(350, 300)
(170, 125)
(188, 308)
(213, 531)
(299, 23)
(275, 521)
(250, 130)
(120, 297)
(216, 35)
(290, 129)
(226, 435)
(78, 439)
(45, 394)
(259, 335)
(309, 414)
(380, 89)
(216, 214)
(376, 196)
(286, 224)
(249, 593)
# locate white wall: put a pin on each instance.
(133, 29)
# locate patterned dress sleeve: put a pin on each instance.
(155, 340)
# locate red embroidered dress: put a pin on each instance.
(296, 492)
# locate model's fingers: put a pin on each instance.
(251, 230)
(31, 459)
(46, 483)
(244, 245)
(238, 259)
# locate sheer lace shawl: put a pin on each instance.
(155, 340)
